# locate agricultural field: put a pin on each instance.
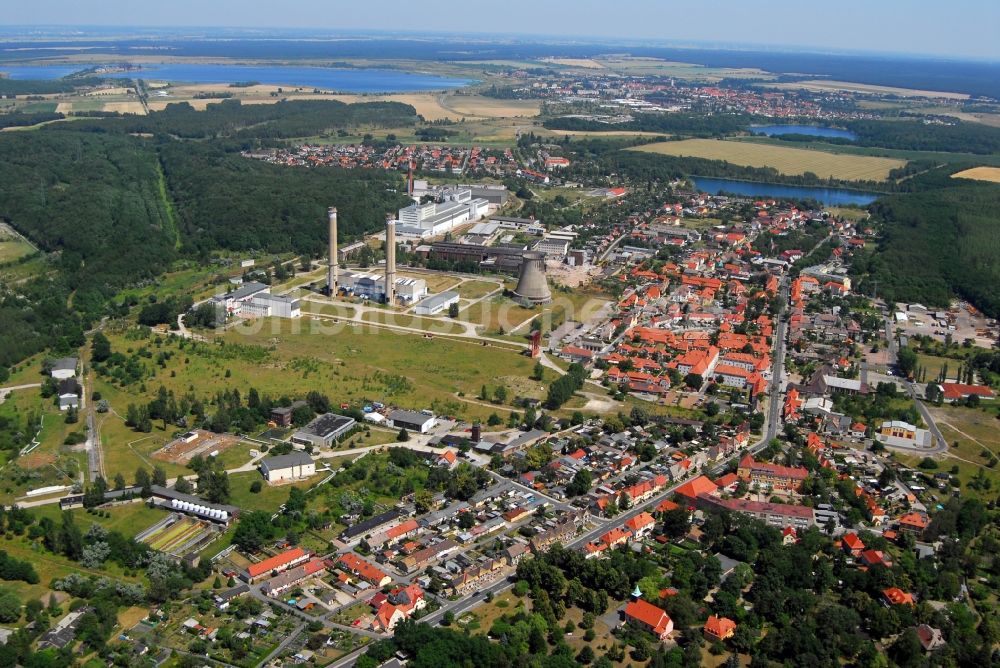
(791, 161)
(174, 537)
(989, 174)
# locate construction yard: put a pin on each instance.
(193, 444)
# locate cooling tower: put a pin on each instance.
(332, 266)
(531, 284)
(390, 261)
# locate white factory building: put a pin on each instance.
(254, 300)
(457, 207)
(372, 286)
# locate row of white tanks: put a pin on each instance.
(204, 511)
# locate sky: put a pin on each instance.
(957, 28)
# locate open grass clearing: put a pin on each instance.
(488, 107)
(477, 289)
(269, 497)
(333, 309)
(436, 282)
(988, 174)
(13, 249)
(791, 161)
(430, 325)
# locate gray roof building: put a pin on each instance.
(324, 430)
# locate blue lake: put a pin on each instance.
(347, 80)
(826, 196)
(811, 130)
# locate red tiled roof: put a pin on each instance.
(693, 488)
(650, 615)
(720, 627)
(275, 562)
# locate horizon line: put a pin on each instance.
(542, 38)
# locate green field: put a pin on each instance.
(476, 289)
(792, 161)
(14, 249)
(268, 498)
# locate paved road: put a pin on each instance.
(4, 391)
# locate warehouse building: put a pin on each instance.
(411, 421)
(324, 430)
(436, 303)
(293, 466)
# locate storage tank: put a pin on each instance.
(225, 516)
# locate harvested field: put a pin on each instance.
(990, 174)
(792, 161)
(178, 451)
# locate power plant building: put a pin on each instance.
(372, 286)
(457, 207)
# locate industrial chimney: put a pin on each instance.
(390, 260)
(332, 263)
(532, 286)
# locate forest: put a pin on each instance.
(936, 243)
(111, 210)
(689, 125)
(225, 201)
(286, 118)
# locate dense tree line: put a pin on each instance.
(21, 119)
(937, 243)
(284, 119)
(226, 201)
(562, 389)
(686, 124)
